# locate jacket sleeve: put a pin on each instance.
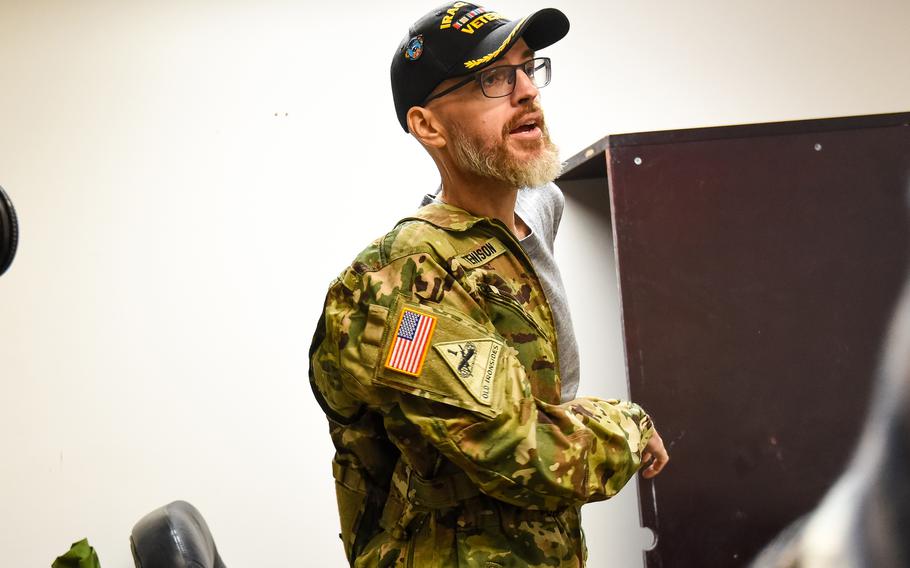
(471, 398)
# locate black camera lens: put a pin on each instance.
(9, 232)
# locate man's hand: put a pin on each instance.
(656, 454)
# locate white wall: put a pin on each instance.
(190, 174)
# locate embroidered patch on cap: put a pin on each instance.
(414, 49)
(412, 339)
(474, 363)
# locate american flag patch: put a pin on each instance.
(412, 339)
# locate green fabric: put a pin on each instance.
(80, 555)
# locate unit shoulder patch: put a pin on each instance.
(474, 363)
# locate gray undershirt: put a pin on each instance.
(541, 210)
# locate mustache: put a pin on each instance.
(516, 122)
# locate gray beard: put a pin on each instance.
(494, 161)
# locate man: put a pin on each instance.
(437, 357)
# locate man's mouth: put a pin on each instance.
(527, 129)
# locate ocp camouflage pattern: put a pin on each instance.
(474, 462)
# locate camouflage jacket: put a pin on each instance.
(435, 361)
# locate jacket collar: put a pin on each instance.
(446, 217)
(454, 219)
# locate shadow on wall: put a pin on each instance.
(593, 195)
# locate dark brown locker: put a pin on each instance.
(758, 269)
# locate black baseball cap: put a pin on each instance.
(458, 39)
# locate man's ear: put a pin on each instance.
(426, 127)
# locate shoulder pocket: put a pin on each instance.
(442, 355)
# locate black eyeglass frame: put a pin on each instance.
(478, 75)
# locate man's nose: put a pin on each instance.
(525, 91)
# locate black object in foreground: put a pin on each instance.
(9, 232)
(174, 536)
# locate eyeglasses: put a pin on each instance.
(496, 82)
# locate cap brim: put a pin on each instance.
(539, 30)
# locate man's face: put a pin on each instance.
(502, 138)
